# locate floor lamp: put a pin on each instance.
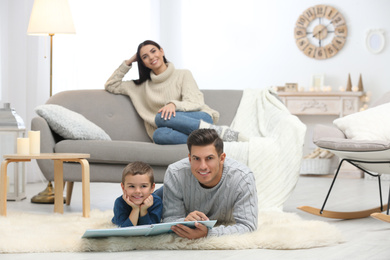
(50, 17)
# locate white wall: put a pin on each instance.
(251, 44)
(226, 44)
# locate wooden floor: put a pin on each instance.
(366, 238)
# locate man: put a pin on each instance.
(208, 185)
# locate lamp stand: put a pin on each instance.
(47, 196)
(51, 63)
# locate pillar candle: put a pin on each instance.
(23, 146)
(35, 142)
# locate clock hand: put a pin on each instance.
(314, 35)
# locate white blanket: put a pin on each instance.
(274, 150)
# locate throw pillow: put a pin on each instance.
(370, 124)
(69, 124)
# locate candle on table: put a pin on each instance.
(23, 146)
(35, 142)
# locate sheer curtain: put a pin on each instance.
(107, 32)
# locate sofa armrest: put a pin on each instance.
(48, 140)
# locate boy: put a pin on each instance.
(138, 205)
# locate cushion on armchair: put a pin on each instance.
(69, 124)
(340, 144)
(371, 124)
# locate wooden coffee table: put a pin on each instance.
(59, 159)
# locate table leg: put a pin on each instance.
(3, 187)
(58, 186)
(69, 190)
(86, 187)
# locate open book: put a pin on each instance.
(144, 230)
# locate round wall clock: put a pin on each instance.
(320, 32)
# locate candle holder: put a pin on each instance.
(11, 128)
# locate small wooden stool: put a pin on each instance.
(59, 159)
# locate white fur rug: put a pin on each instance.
(28, 232)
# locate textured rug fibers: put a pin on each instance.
(29, 232)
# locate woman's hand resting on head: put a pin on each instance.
(167, 111)
(131, 60)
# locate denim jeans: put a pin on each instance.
(160, 192)
(177, 129)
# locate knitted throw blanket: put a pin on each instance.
(274, 150)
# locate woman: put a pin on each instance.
(168, 100)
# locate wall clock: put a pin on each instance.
(320, 32)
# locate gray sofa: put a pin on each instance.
(116, 115)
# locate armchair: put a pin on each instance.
(362, 139)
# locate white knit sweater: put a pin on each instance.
(171, 86)
(232, 202)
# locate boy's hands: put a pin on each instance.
(143, 208)
(128, 201)
(147, 203)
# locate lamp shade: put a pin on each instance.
(50, 17)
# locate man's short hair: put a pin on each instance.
(203, 137)
(138, 168)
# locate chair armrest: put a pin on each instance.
(47, 138)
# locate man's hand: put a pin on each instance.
(147, 203)
(190, 233)
(196, 216)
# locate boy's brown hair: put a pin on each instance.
(138, 168)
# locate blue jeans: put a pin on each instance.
(160, 192)
(177, 129)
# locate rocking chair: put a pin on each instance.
(370, 156)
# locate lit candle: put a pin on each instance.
(23, 146)
(35, 142)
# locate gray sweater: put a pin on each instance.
(233, 202)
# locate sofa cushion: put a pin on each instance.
(115, 114)
(124, 152)
(69, 124)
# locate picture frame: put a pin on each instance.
(317, 81)
(375, 41)
(291, 87)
